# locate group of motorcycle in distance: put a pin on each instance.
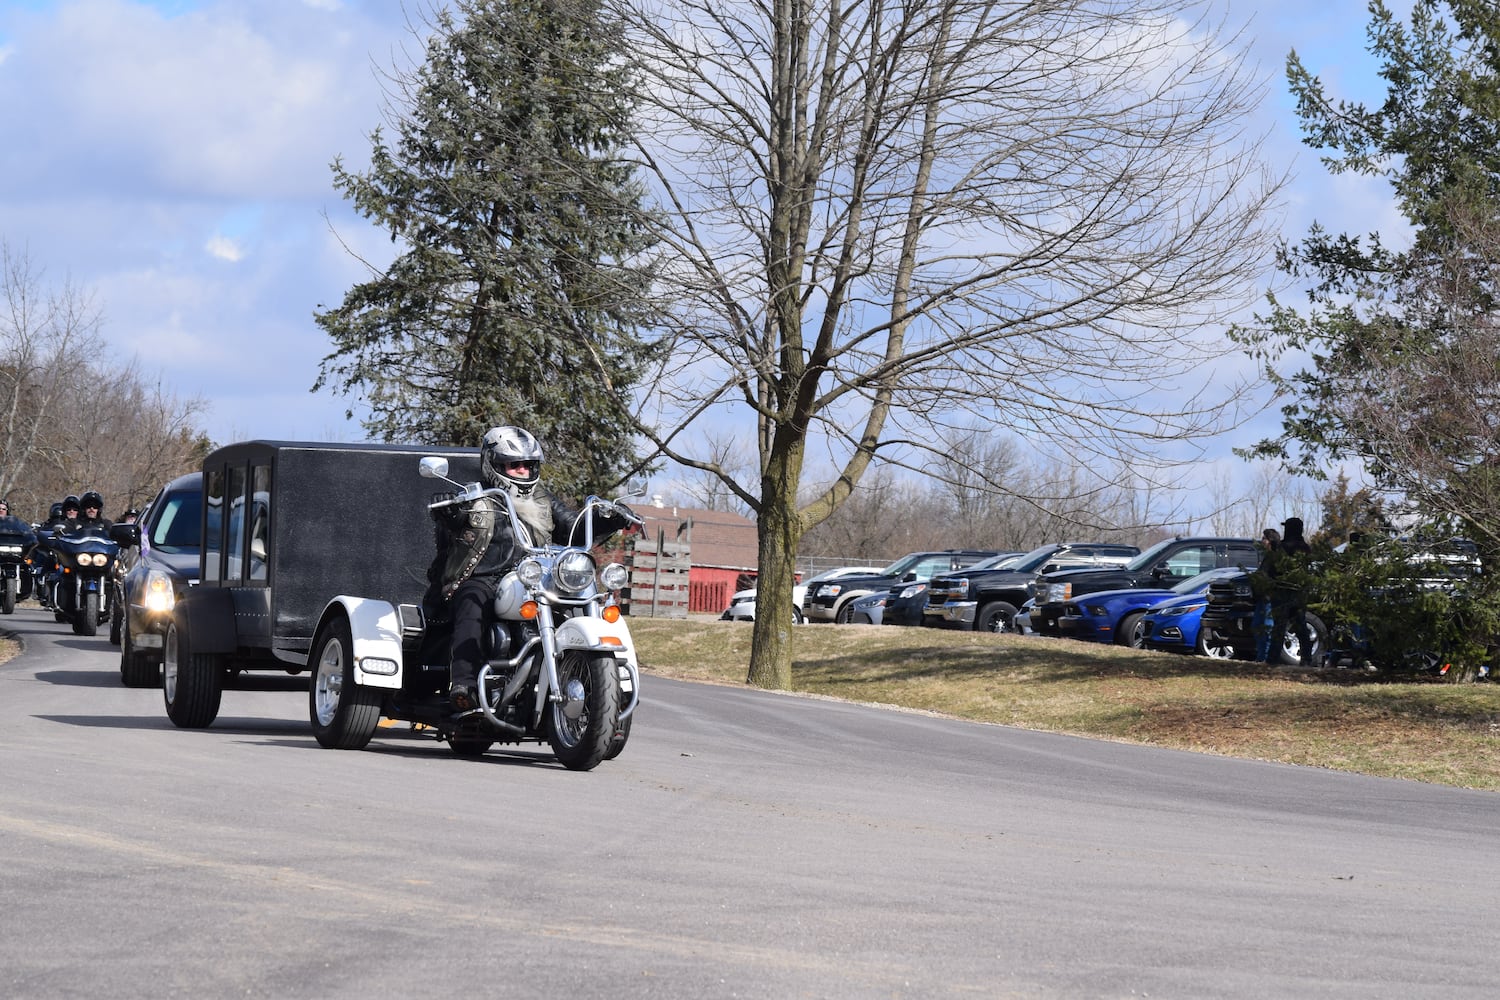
(72, 572)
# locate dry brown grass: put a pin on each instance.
(1426, 731)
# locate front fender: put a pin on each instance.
(375, 627)
(597, 635)
(600, 636)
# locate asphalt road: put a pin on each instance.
(745, 844)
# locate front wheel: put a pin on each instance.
(8, 600)
(86, 619)
(585, 715)
(116, 618)
(1211, 645)
(1131, 631)
(137, 669)
(344, 715)
(996, 616)
(192, 684)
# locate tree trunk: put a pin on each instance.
(778, 532)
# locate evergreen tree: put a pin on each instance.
(519, 286)
(1404, 342)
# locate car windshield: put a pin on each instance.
(176, 527)
(1002, 561)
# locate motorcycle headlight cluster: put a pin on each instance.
(575, 571)
(10, 550)
(614, 576)
(92, 558)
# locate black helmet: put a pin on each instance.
(507, 446)
(92, 499)
(54, 512)
(70, 502)
(131, 514)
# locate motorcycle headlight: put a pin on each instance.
(575, 571)
(92, 559)
(10, 550)
(530, 573)
(614, 576)
(158, 597)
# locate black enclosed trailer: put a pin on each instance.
(289, 526)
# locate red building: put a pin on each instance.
(720, 551)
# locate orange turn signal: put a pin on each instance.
(611, 614)
(528, 610)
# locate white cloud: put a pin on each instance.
(224, 248)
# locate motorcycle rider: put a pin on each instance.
(93, 519)
(476, 547)
(71, 506)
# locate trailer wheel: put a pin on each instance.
(344, 715)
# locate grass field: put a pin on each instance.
(1430, 731)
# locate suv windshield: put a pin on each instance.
(1146, 559)
(902, 566)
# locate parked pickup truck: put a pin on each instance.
(987, 600)
(1164, 564)
(833, 600)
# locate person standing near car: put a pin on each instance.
(1287, 570)
(1260, 585)
(476, 547)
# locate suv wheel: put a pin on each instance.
(997, 616)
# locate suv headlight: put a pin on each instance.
(912, 591)
(830, 590)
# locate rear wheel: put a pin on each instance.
(116, 618)
(469, 747)
(344, 714)
(583, 721)
(996, 616)
(192, 684)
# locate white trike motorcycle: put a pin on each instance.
(561, 667)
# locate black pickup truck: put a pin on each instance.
(987, 600)
(1162, 565)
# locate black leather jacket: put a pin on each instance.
(476, 541)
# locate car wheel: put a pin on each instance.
(1131, 631)
(192, 684)
(997, 616)
(137, 669)
(1290, 653)
(845, 614)
(797, 617)
(1209, 644)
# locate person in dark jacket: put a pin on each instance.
(1270, 540)
(1288, 600)
(92, 520)
(476, 547)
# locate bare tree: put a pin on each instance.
(890, 219)
(46, 340)
(70, 421)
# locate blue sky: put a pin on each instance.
(172, 160)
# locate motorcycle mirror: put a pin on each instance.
(433, 467)
(636, 488)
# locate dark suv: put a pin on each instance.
(833, 600)
(1164, 564)
(987, 600)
